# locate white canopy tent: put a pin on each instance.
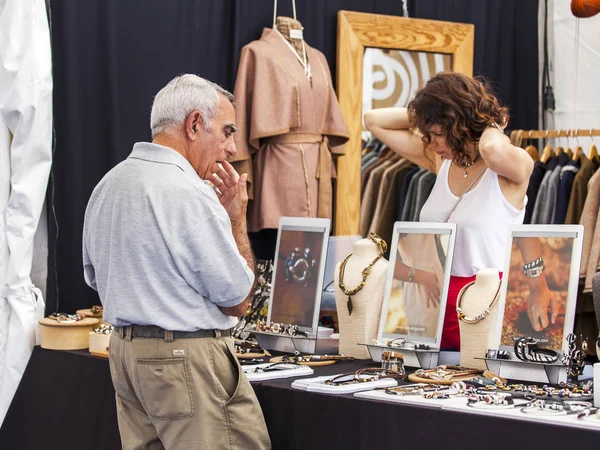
(25, 161)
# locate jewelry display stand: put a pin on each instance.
(302, 344)
(527, 371)
(421, 359)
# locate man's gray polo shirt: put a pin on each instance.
(158, 246)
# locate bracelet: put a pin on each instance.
(526, 349)
(534, 268)
(411, 274)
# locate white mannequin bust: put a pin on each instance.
(362, 326)
(476, 338)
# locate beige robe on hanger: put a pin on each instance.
(287, 132)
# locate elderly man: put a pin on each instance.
(170, 259)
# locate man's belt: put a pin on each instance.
(152, 331)
(323, 168)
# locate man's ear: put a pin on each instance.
(193, 124)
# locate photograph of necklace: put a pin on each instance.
(365, 272)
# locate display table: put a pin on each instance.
(66, 401)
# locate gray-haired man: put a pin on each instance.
(170, 259)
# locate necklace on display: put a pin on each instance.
(466, 165)
(303, 60)
(365, 272)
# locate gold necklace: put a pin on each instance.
(365, 272)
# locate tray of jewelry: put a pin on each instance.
(274, 371)
(434, 396)
(349, 383)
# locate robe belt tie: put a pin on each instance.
(323, 168)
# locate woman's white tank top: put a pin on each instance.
(483, 217)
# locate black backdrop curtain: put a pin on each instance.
(110, 57)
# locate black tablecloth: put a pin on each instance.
(66, 401)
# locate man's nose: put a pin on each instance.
(232, 150)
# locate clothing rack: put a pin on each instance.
(542, 134)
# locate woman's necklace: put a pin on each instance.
(466, 165)
(365, 272)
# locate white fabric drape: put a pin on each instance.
(25, 160)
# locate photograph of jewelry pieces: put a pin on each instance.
(365, 272)
(537, 290)
(299, 266)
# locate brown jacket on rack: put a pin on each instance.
(384, 186)
(590, 257)
(580, 191)
(288, 129)
(369, 200)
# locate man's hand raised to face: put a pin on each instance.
(231, 189)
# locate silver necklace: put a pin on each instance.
(466, 165)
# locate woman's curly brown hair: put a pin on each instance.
(461, 105)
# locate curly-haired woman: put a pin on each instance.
(453, 127)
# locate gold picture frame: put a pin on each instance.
(356, 31)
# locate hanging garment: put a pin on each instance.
(424, 188)
(567, 176)
(589, 217)
(384, 187)
(384, 228)
(579, 191)
(403, 190)
(544, 207)
(535, 181)
(288, 129)
(369, 200)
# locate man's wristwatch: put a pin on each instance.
(534, 268)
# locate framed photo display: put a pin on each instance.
(417, 283)
(539, 286)
(298, 272)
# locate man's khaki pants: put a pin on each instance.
(184, 394)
